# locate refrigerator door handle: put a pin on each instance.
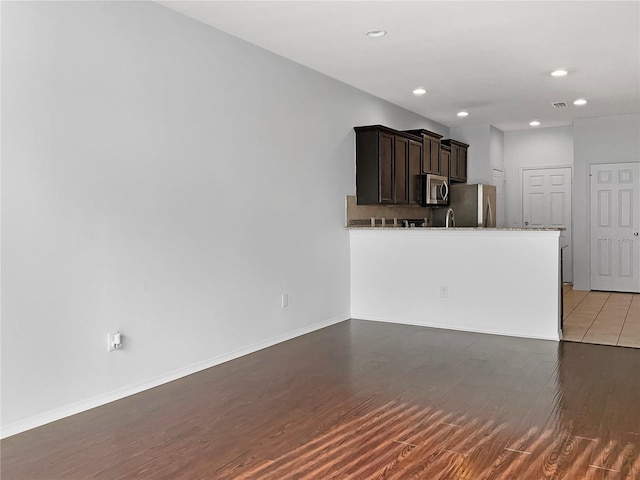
(489, 215)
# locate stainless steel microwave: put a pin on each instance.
(435, 190)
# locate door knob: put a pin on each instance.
(526, 223)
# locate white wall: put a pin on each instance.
(496, 148)
(396, 277)
(478, 154)
(486, 151)
(613, 139)
(166, 179)
(496, 158)
(539, 148)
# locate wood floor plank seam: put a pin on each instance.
(604, 468)
(405, 443)
(517, 451)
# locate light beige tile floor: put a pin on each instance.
(601, 317)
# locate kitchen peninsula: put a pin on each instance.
(501, 281)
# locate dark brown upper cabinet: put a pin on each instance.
(401, 170)
(445, 160)
(387, 166)
(462, 162)
(458, 161)
(453, 162)
(415, 169)
(430, 151)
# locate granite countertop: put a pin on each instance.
(505, 229)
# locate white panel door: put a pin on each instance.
(546, 202)
(615, 222)
(498, 181)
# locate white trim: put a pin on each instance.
(458, 329)
(588, 208)
(98, 400)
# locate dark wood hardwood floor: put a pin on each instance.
(364, 400)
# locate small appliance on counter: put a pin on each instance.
(473, 206)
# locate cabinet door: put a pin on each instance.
(426, 156)
(400, 170)
(462, 160)
(445, 156)
(385, 166)
(415, 168)
(454, 163)
(435, 157)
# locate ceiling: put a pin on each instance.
(492, 59)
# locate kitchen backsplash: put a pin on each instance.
(360, 215)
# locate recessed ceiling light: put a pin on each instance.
(420, 91)
(580, 102)
(534, 123)
(559, 73)
(376, 33)
(463, 114)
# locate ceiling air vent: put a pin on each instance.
(559, 104)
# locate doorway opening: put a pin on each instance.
(546, 202)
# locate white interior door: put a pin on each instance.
(498, 181)
(615, 221)
(546, 202)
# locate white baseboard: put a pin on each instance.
(98, 400)
(459, 329)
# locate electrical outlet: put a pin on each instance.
(114, 341)
(444, 291)
(285, 300)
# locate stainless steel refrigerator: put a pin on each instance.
(473, 206)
